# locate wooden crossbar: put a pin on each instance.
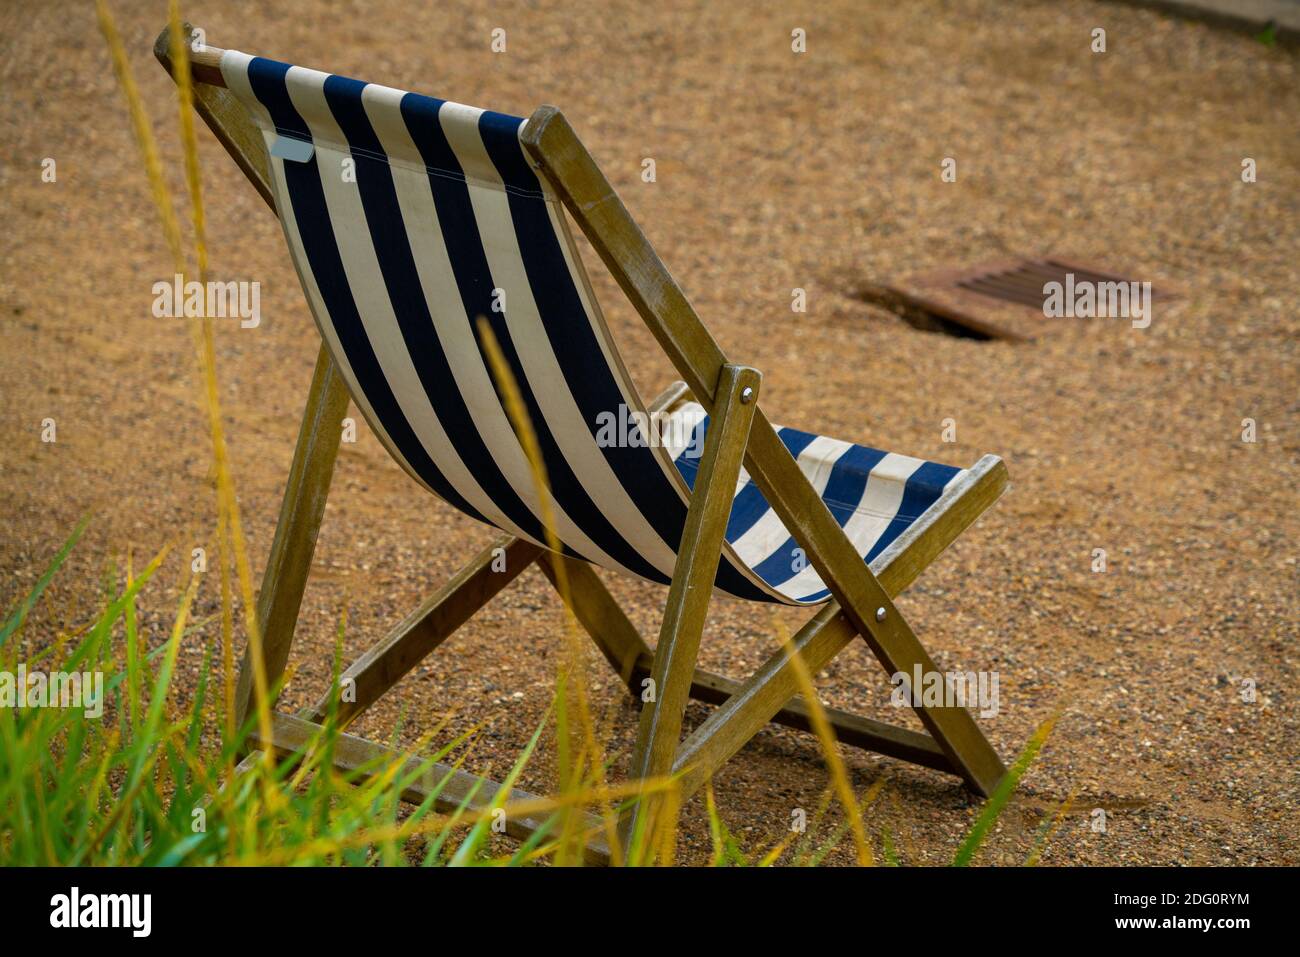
(632, 659)
(455, 788)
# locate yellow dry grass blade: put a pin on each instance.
(204, 344)
(180, 51)
(143, 132)
(229, 527)
(1050, 826)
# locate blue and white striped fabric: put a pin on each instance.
(408, 218)
(874, 495)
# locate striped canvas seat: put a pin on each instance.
(874, 496)
(408, 218)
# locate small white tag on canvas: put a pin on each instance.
(294, 150)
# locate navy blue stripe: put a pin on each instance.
(405, 292)
(924, 486)
(923, 489)
(749, 504)
(843, 493)
(307, 198)
(848, 481)
(475, 283)
(420, 114)
(500, 135)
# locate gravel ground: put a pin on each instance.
(774, 171)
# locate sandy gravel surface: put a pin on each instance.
(775, 171)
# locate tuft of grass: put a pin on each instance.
(147, 783)
(726, 849)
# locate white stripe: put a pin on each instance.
(768, 534)
(875, 510)
(679, 431)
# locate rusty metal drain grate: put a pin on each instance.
(1023, 283)
(999, 300)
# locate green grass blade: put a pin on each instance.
(998, 800)
(16, 620)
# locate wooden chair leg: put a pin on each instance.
(295, 534)
(692, 585)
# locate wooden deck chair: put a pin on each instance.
(407, 219)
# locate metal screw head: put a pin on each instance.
(747, 395)
(880, 614)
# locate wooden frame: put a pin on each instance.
(740, 433)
